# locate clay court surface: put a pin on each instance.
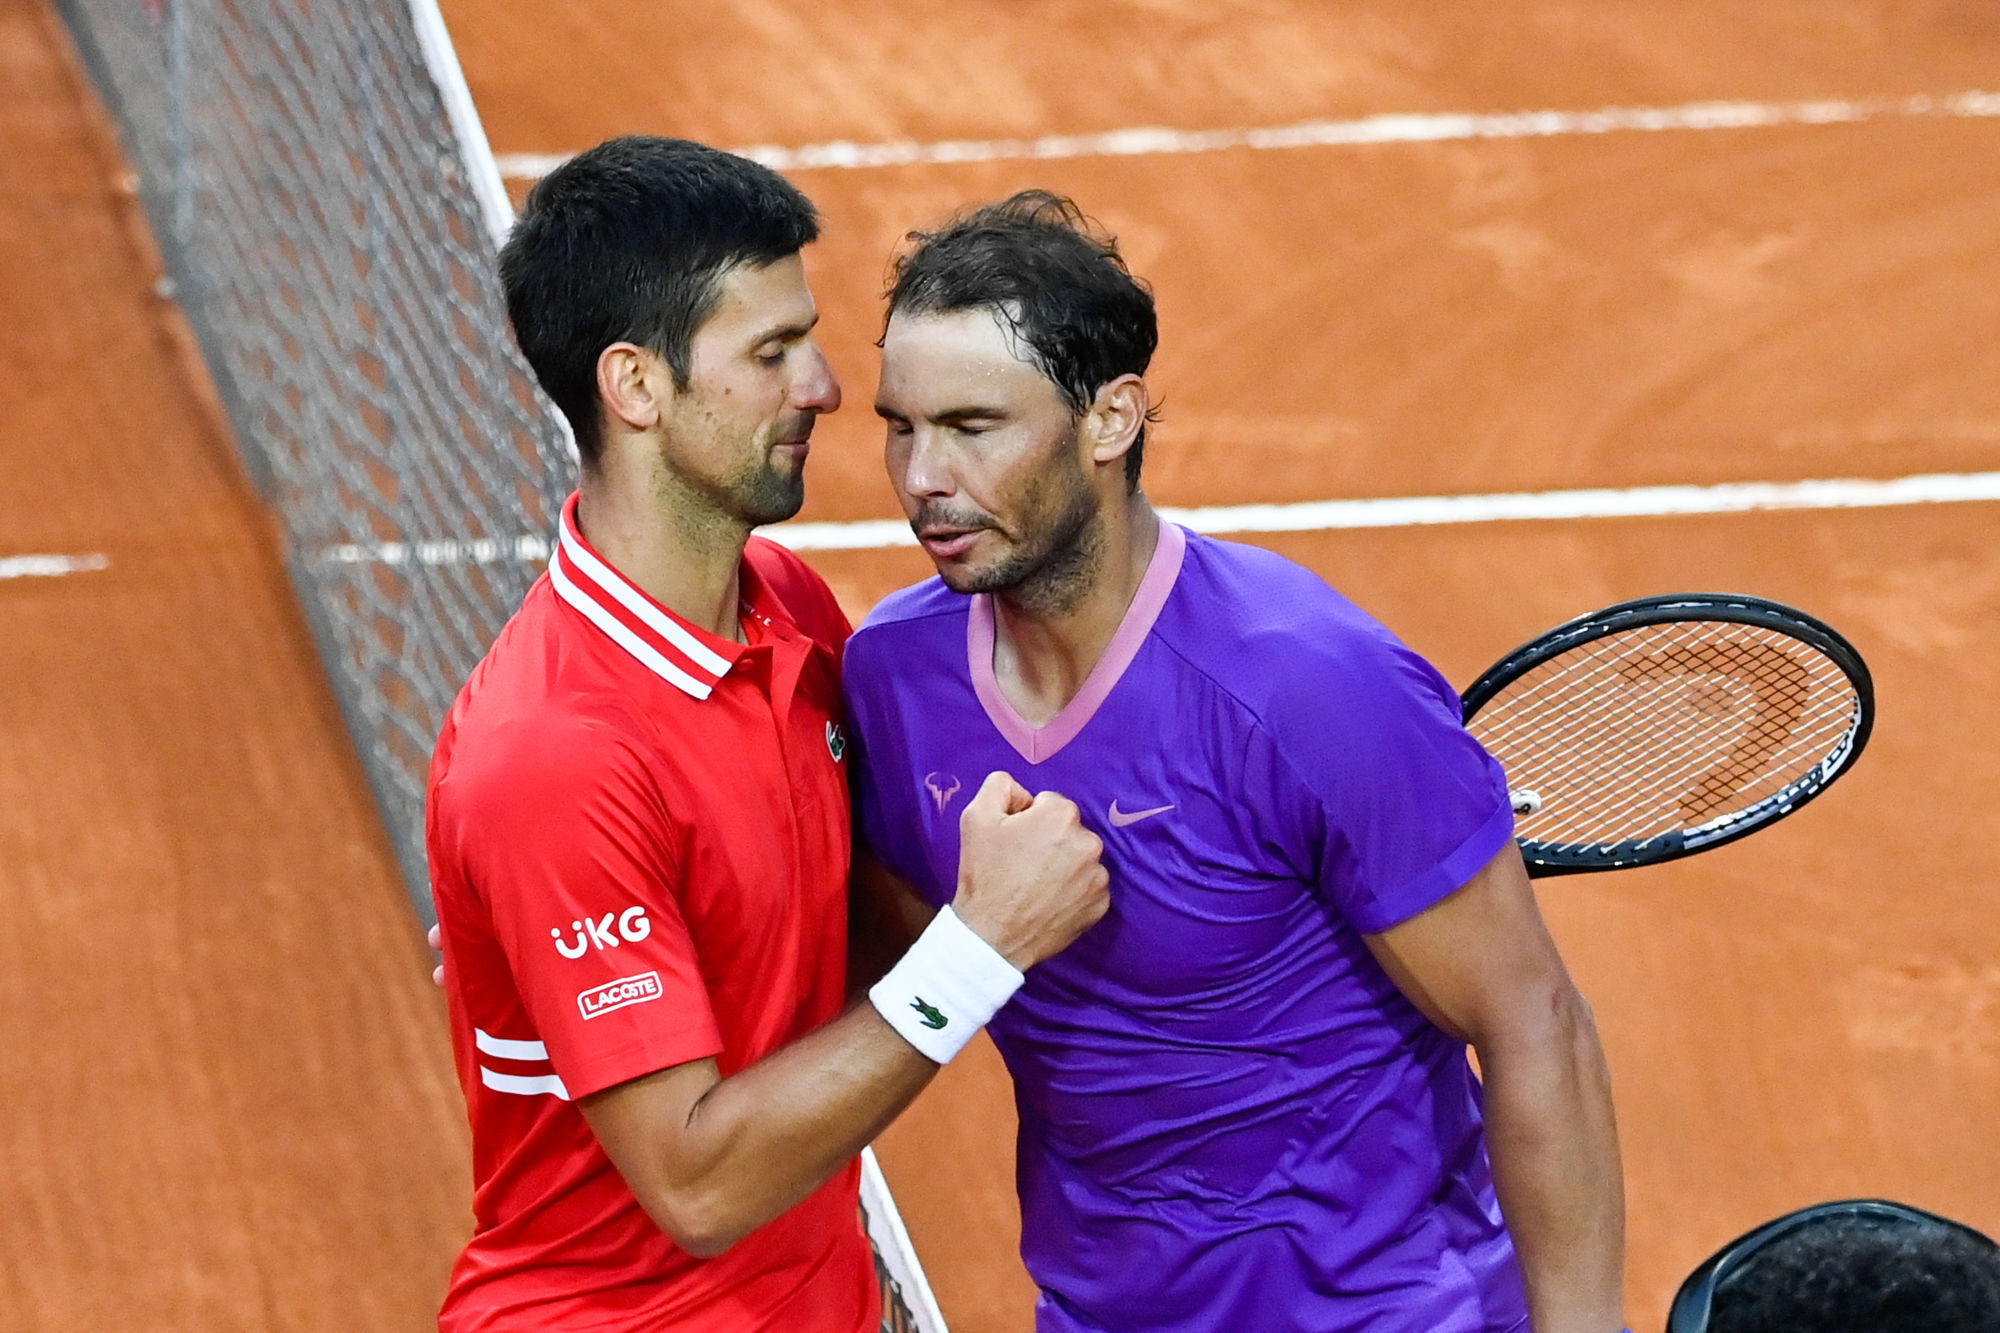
(230, 1103)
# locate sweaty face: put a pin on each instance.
(757, 384)
(984, 455)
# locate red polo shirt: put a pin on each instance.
(639, 850)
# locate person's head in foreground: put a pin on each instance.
(1861, 1266)
(1012, 385)
(656, 288)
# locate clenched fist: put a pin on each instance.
(1031, 877)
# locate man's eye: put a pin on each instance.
(770, 358)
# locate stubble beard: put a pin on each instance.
(765, 490)
(1051, 575)
(768, 492)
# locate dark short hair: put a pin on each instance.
(1865, 1274)
(629, 242)
(1054, 279)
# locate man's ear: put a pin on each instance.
(1115, 418)
(633, 384)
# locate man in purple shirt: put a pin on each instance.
(1244, 1096)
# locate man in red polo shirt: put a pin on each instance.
(638, 818)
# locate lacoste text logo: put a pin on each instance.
(617, 994)
(836, 741)
(1120, 818)
(932, 1018)
(942, 787)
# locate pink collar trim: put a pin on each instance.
(1038, 744)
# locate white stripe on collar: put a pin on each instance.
(622, 635)
(614, 583)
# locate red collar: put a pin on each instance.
(684, 655)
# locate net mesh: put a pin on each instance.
(316, 217)
(1662, 728)
(313, 211)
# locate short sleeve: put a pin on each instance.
(565, 838)
(1405, 806)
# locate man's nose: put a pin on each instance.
(925, 472)
(817, 389)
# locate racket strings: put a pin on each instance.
(1596, 791)
(1584, 741)
(1782, 686)
(1643, 813)
(1517, 717)
(1685, 772)
(1663, 727)
(1540, 720)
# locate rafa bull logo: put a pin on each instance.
(942, 787)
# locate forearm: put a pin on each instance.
(712, 1159)
(1554, 1146)
(757, 1143)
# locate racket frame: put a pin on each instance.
(1548, 859)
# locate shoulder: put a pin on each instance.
(912, 643)
(561, 784)
(533, 762)
(1278, 638)
(799, 588)
(923, 612)
(1258, 591)
(910, 608)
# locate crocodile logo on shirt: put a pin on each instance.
(836, 741)
(932, 1017)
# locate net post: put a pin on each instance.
(482, 171)
(475, 153)
(894, 1252)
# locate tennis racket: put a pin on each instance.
(1655, 729)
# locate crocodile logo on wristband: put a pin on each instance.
(933, 1017)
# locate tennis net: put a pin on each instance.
(327, 210)
(907, 1303)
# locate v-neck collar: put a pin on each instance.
(1038, 744)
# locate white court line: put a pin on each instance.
(1420, 510)
(50, 566)
(1436, 127)
(1327, 515)
(442, 551)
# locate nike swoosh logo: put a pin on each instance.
(1120, 818)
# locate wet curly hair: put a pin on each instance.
(1056, 282)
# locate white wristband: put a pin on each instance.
(947, 987)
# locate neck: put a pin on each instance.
(684, 554)
(1046, 642)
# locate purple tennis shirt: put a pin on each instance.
(1230, 1117)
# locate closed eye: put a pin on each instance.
(972, 420)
